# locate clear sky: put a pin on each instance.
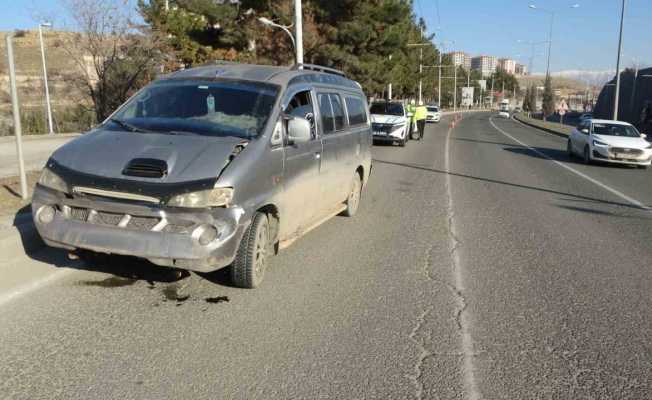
(584, 38)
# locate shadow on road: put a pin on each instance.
(515, 185)
(599, 212)
(560, 155)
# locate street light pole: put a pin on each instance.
(298, 29)
(269, 22)
(620, 49)
(16, 113)
(552, 20)
(45, 75)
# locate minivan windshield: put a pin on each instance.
(210, 108)
(433, 109)
(387, 108)
(615, 130)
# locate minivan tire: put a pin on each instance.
(353, 200)
(569, 149)
(248, 268)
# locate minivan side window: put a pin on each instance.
(327, 117)
(356, 109)
(301, 106)
(338, 111)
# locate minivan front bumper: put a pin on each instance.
(166, 236)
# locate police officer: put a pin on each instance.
(412, 111)
(420, 116)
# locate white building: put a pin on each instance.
(460, 58)
(507, 65)
(485, 64)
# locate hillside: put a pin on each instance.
(31, 92)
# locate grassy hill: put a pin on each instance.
(29, 71)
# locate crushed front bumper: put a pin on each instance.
(165, 236)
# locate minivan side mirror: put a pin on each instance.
(585, 130)
(643, 135)
(299, 130)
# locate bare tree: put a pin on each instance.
(114, 57)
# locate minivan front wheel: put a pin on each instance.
(353, 201)
(250, 263)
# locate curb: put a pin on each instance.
(551, 131)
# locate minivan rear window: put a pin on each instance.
(355, 107)
(211, 108)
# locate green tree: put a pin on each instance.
(357, 36)
(526, 100)
(548, 97)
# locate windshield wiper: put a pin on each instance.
(130, 127)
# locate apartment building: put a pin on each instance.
(485, 64)
(460, 58)
(507, 65)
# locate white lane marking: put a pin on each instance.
(32, 286)
(468, 369)
(573, 170)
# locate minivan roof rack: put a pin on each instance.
(318, 68)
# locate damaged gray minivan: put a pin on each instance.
(210, 167)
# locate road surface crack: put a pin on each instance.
(457, 289)
(415, 378)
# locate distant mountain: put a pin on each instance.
(593, 78)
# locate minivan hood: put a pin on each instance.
(618, 141)
(106, 153)
(388, 119)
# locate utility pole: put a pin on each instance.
(420, 75)
(439, 81)
(491, 101)
(45, 75)
(620, 49)
(420, 45)
(298, 34)
(454, 87)
(389, 85)
(16, 113)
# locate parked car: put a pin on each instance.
(609, 141)
(211, 167)
(433, 114)
(390, 122)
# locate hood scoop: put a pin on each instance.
(146, 168)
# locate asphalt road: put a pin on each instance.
(477, 268)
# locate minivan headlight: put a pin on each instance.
(599, 143)
(217, 197)
(52, 181)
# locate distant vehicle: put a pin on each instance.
(433, 114)
(518, 109)
(504, 105)
(609, 141)
(503, 114)
(211, 167)
(584, 116)
(390, 122)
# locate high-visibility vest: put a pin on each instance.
(421, 113)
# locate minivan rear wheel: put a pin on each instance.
(353, 201)
(250, 263)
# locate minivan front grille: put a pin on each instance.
(146, 168)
